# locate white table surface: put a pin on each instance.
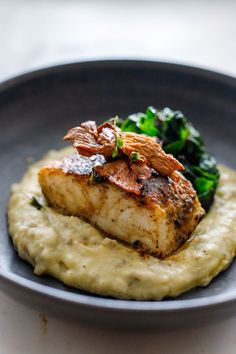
(34, 34)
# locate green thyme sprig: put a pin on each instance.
(95, 177)
(134, 156)
(118, 139)
(35, 203)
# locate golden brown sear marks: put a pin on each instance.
(78, 165)
(163, 190)
(152, 188)
(155, 189)
(117, 172)
(157, 216)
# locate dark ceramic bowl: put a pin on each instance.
(35, 111)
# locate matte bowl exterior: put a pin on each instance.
(36, 109)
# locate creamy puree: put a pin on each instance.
(81, 256)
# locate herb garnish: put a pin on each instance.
(95, 177)
(178, 137)
(34, 202)
(134, 156)
(119, 141)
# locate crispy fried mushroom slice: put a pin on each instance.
(118, 173)
(87, 141)
(90, 140)
(148, 148)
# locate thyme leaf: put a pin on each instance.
(35, 203)
(118, 139)
(95, 177)
(134, 156)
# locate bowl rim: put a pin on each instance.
(94, 300)
(99, 302)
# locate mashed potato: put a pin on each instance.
(81, 256)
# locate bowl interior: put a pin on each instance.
(38, 108)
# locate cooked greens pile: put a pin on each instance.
(179, 138)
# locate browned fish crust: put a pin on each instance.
(155, 190)
(171, 202)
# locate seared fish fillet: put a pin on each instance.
(158, 220)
